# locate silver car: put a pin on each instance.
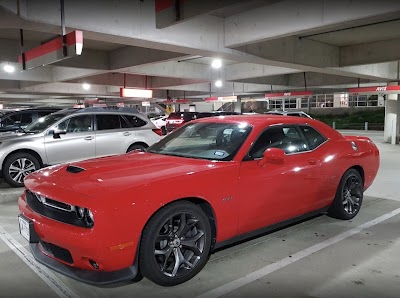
(71, 135)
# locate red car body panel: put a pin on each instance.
(124, 191)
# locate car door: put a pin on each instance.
(276, 192)
(77, 143)
(113, 134)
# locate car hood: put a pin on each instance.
(117, 173)
(11, 135)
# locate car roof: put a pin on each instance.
(268, 120)
(99, 110)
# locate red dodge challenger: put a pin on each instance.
(214, 181)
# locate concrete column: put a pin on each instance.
(392, 115)
(237, 106)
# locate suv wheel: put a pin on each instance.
(17, 166)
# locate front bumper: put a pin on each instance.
(92, 277)
(72, 249)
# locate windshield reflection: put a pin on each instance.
(211, 141)
(44, 122)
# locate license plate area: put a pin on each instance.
(27, 230)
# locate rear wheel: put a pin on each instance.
(163, 130)
(175, 244)
(17, 166)
(349, 196)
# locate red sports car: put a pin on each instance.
(210, 183)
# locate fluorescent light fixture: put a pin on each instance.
(86, 86)
(218, 83)
(138, 93)
(216, 63)
(9, 68)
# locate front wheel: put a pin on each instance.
(349, 196)
(17, 166)
(136, 147)
(175, 244)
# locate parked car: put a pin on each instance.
(177, 119)
(215, 114)
(71, 135)
(160, 122)
(161, 212)
(17, 120)
(289, 113)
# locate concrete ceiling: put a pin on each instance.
(264, 44)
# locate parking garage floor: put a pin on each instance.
(321, 257)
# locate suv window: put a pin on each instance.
(287, 138)
(313, 137)
(105, 122)
(76, 124)
(26, 118)
(135, 121)
(7, 122)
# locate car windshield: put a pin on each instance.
(211, 141)
(44, 122)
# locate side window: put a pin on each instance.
(313, 137)
(26, 118)
(7, 122)
(124, 123)
(105, 122)
(76, 124)
(43, 113)
(135, 121)
(286, 138)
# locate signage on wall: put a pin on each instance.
(375, 90)
(292, 94)
(135, 93)
(222, 99)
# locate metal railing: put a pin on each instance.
(359, 126)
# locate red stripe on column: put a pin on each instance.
(163, 4)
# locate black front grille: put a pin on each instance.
(57, 252)
(53, 212)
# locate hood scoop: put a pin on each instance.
(75, 169)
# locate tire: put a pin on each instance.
(349, 196)
(25, 161)
(161, 246)
(136, 147)
(163, 130)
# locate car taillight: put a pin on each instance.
(175, 121)
(158, 131)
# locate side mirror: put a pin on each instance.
(57, 133)
(272, 155)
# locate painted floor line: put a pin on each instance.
(47, 276)
(240, 282)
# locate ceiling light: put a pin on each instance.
(217, 63)
(218, 83)
(86, 86)
(9, 68)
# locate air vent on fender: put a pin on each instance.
(74, 169)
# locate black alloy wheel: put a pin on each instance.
(17, 166)
(349, 196)
(175, 244)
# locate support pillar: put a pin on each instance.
(392, 117)
(237, 106)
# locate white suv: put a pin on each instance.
(71, 135)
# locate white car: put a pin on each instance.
(160, 122)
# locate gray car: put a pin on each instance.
(71, 135)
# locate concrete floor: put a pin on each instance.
(321, 257)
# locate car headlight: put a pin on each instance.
(85, 214)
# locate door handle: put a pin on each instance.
(312, 161)
(126, 134)
(89, 138)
